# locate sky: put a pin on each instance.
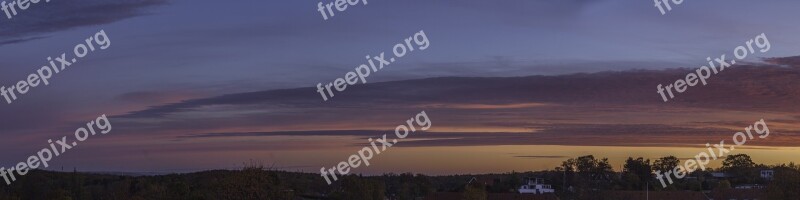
(166, 54)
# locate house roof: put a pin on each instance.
(488, 181)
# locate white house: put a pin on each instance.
(536, 186)
(767, 174)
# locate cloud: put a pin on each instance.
(20, 40)
(156, 97)
(364, 133)
(44, 18)
(597, 109)
(550, 134)
(743, 87)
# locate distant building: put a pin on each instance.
(768, 174)
(536, 186)
(720, 175)
(750, 186)
(484, 180)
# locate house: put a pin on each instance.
(535, 186)
(484, 180)
(720, 175)
(750, 186)
(767, 174)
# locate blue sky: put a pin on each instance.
(287, 44)
(166, 51)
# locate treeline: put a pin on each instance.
(587, 176)
(248, 183)
(577, 178)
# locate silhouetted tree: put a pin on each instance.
(637, 172)
(741, 167)
(665, 164)
(786, 183)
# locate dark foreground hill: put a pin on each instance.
(582, 178)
